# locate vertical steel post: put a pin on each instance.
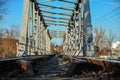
(24, 33)
(80, 37)
(47, 42)
(33, 25)
(38, 34)
(86, 25)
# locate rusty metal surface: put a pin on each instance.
(84, 69)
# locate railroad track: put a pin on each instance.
(56, 68)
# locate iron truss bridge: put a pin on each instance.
(44, 20)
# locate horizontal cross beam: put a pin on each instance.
(67, 1)
(52, 24)
(55, 13)
(56, 21)
(55, 7)
(54, 17)
(62, 1)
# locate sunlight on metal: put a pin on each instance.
(56, 12)
(46, 17)
(57, 33)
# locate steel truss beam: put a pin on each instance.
(54, 17)
(63, 1)
(33, 31)
(42, 11)
(55, 7)
(67, 1)
(59, 13)
(52, 24)
(57, 33)
(56, 21)
(39, 19)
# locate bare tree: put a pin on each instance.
(57, 49)
(53, 47)
(8, 47)
(117, 49)
(2, 8)
(8, 40)
(118, 36)
(1, 32)
(110, 38)
(99, 38)
(12, 32)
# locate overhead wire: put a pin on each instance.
(110, 17)
(109, 13)
(117, 20)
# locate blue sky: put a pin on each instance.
(106, 14)
(99, 9)
(14, 13)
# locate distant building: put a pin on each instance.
(116, 47)
(115, 44)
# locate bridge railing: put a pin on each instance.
(31, 50)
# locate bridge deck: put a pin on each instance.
(57, 68)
